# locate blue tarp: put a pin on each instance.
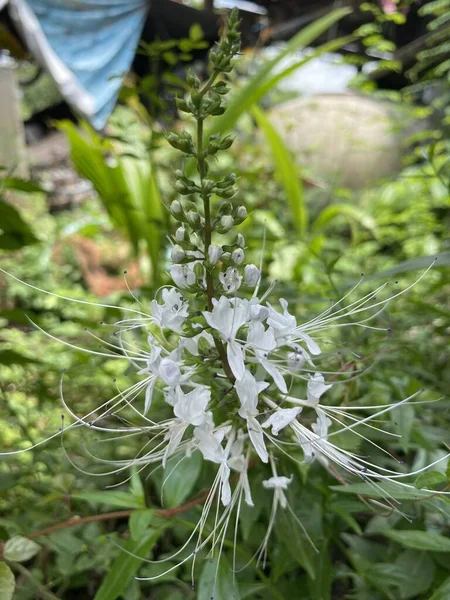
(87, 45)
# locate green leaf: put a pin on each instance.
(216, 581)
(196, 33)
(420, 540)
(139, 522)
(125, 567)
(20, 549)
(430, 479)
(7, 582)
(320, 587)
(247, 590)
(443, 591)
(348, 211)
(294, 539)
(109, 498)
(21, 185)
(382, 490)
(10, 357)
(180, 477)
(285, 171)
(422, 566)
(442, 259)
(14, 232)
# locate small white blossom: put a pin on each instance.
(282, 417)
(237, 256)
(177, 254)
(230, 280)
(278, 484)
(214, 254)
(173, 312)
(252, 276)
(183, 275)
(315, 388)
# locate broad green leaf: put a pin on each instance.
(348, 211)
(7, 582)
(20, 549)
(21, 185)
(385, 576)
(422, 566)
(139, 522)
(125, 567)
(429, 479)
(382, 490)
(285, 170)
(300, 548)
(136, 487)
(10, 357)
(216, 581)
(180, 477)
(249, 589)
(320, 587)
(442, 259)
(443, 591)
(110, 498)
(420, 540)
(14, 231)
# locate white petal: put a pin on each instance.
(236, 359)
(257, 438)
(276, 375)
(312, 346)
(149, 395)
(226, 488)
(176, 435)
(280, 418)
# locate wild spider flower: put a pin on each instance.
(242, 381)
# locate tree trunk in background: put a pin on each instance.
(209, 5)
(12, 146)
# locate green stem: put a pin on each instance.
(206, 198)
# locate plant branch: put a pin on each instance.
(119, 514)
(41, 591)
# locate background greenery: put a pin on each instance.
(318, 240)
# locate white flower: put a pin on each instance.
(226, 223)
(237, 256)
(281, 418)
(239, 463)
(227, 317)
(177, 254)
(214, 253)
(284, 324)
(256, 435)
(316, 387)
(173, 312)
(169, 372)
(205, 340)
(190, 408)
(278, 484)
(251, 275)
(230, 280)
(262, 341)
(183, 275)
(248, 390)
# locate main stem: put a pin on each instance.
(201, 161)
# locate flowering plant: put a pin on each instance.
(243, 381)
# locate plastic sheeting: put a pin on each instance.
(86, 45)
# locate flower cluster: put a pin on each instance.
(242, 380)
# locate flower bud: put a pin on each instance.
(238, 256)
(214, 253)
(225, 224)
(226, 256)
(241, 214)
(181, 234)
(178, 254)
(199, 270)
(240, 241)
(251, 275)
(193, 218)
(230, 280)
(176, 208)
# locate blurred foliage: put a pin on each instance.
(317, 242)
